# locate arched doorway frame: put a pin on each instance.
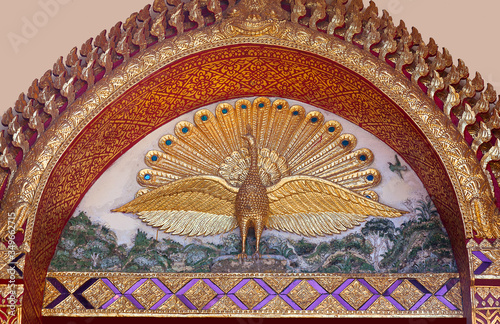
(471, 185)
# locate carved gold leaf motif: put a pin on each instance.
(380, 285)
(278, 284)
(433, 305)
(382, 304)
(329, 284)
(277, 304)
(200, 294)
(71, 283)
(304, 294)
(49, 294)
(124, 284)
(407, 294)
(70, 302)
(122, 304)
(224, 305)
(455, 296)
(148, 294)
(330, 305)
(225, 284)
(251, 294)
(98, 294)
(356, 294)
(433, 282)
(173, 305)
(174, 284)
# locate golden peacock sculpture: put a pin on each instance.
(260, 165)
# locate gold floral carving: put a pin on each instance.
(200, 294)
(224, 305)
(148, 294)
(277, 305)
(98, 294)
(407, 294)
(303, 294)
(251, 294)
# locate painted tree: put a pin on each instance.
(425, 209)
(380, 233)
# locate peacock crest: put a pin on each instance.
(262, 165)
(289, 140)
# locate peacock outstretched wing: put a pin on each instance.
(312, 206)
(194, 206)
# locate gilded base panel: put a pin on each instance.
(11, 297)
(484, 259)
(250, 294)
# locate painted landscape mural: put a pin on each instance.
(418, 245)
(98, 239)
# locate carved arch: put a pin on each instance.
(452, 115)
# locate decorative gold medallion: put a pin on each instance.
(297, 174)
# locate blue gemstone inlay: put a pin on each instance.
(243, 106)
(314, 119)
(204, 117)
(279, 107)
(224, 111)
(185, 130)
(168, 142)
(154, 158)
(362, 157)
(345, 142)
(147, 177)
(331, 129)
(368, 197)
(261, 105)
(369, 178)
(296, 112)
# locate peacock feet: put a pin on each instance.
(242, 256)
(256, 256)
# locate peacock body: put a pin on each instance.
(259, 164)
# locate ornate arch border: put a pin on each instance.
(471, 185)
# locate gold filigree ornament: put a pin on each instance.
(298, 174)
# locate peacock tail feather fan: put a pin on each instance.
(290, 142)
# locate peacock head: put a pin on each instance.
(249, 138)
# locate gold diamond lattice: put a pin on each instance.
(148, 294)
(356, 294)
(407, 294)
(200, 294)
(251, 294)
(98, 294)
(304, 294)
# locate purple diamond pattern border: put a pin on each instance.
(271, 293)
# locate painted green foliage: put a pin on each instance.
(418, 245)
